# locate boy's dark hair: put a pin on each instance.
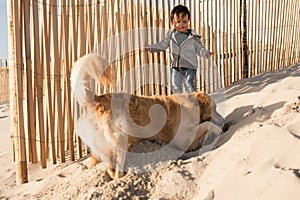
(180, 9)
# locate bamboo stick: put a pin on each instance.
(279, 36)
(215, 60)
(258, 33)
(32, 151)
(74, 28)
(285, 41)
(288, 42)
(141, 40)
(82, 30)
(120, 43)
(168, 26)
(39, 86)
(144, 89)
(210, 45)
(275, 40)
(137, 81)
(111, 26)
(57, 83)
(146, 56)
(297, 40)
(244, 41)
(62, 68)
(225, 44)
(75, 49)
(296, 31)
(27, 66)
(14, 10)
(21, 164)
(154, 56)
(259, 37)
(141, 75)
(263, 34)
(165, 25)
(252, 20)
(126, 21)
(268, 33)
(284, 37)
(157, 77)
(202, 32)
(281, 33)
(97, 29)
(253, 38)
(198, 22)
(249, 30)
(90, 24)
(128, 25)
(100, 24)
(68, 106)
(231, 39)
(292, 27)
(149, 88)
(206, 44)
(48, 88)
(235, 54)
(104, 21)
(208, 27)
(42, 61)
(130, 84)
(221, 56)
(273, 35)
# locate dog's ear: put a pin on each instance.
(208, 110)
(205, 105)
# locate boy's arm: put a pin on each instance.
(159, 46)
(200, 49)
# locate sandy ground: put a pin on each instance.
(257, 157)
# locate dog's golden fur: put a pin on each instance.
(114, 122)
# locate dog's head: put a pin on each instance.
(208, 109)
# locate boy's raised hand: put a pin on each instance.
(209, 54)
(146, 46)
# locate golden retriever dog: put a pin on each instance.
(112, 123)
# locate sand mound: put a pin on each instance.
(256, 158)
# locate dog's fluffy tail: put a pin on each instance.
(87, 71)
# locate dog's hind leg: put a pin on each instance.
(110, 162)
(116, 171)
(116, 157)
(121, 156)
(119, 171)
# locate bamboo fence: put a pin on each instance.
(4, 85)
(46, 37)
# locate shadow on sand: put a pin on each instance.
(245, 115)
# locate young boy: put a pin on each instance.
(184, 45)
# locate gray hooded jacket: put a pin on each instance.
(185, 55)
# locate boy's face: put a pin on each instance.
(181, 23)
